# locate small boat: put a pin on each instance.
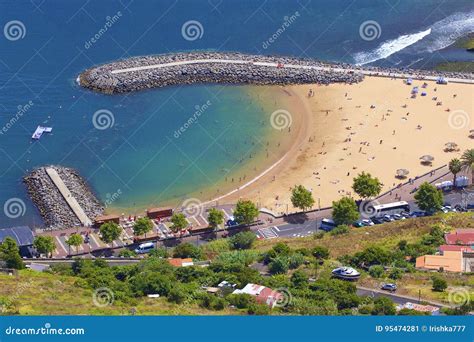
(39, 132)
(346, 273)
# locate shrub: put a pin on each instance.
(258, 309)
(240, 301)
(242, 240)
(159, 252)
(439, 284)
(396, 273)
(187, 250)
(295, 260)
(339, 230)
(126, 253)
(279, 265)
(320, 252)
(376, 271)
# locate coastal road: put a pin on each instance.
(396, 298)
(288, 66)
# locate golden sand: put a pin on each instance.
(341, 136)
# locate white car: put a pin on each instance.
(367, 222)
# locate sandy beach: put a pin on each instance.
(374, 126)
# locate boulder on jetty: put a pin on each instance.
(52, 206)
(232, 68)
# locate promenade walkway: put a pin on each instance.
(291, 66)
(71, 201)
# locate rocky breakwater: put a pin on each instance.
(52, 206)
(146, 72)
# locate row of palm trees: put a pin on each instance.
(466, 162)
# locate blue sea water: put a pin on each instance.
(44, 45)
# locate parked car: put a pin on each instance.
(405, 214)
(389, 287)
(447, 209)
(378, 220)
(418, 214)
(327, 224)
(398, 217)
(368, 222)
(388, 218)
(358, 224)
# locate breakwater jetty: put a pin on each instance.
(147, 72)
(62, 197)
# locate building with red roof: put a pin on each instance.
(460, 237)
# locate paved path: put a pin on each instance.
(71, 201)
(290, 66)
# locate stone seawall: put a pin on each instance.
(52, 206)
(241, 69)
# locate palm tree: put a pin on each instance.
(455, 166)
(467, 160)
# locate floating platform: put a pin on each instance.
(39, 132)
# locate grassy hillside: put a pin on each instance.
(34, 293)
(386, 235)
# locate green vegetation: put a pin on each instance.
(301, 198)
(242, 240)
(339, 230)
(75, 240)
(142, 226)
(44, 244)
(455, 166)
(110, 231)
(345, 211)
(428, 198)
(10, 254)
(215, 217)
(179, 222)
(467, 160)
(366, 186)
(439, 284)
(245, 212)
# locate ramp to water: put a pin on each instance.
(71, 201)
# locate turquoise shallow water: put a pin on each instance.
(139, 157)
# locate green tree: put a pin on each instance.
(242, 240)
(279, 265)
(439, 284)
(75, 240)
(396, 273)
(429, 198)
(179, 222)
(299, 279)
(345, 211)
(187, 250)
(215, 217)
(245, 212)
(467, 160)
(383, 306)
(366, 186)
(376, 271)
(341, 229)
(455, 166)
(142, 226)
(44, 244)
(301, 198)
(110, 231)
(10, 254)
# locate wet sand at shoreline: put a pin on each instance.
(374, 126)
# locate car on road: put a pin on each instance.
(405, 214)
(231, 222)
(447, 209)
(388, 218)
(398, 217)
(358, 224)
(327, 224)
(367, 222)
(389, 287)
(145, 248)
(418, 213)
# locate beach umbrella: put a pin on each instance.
(450, 146)
(471, 133)
(426, 159)
(402, 173)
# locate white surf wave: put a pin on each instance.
(390, 47)
(438, 36)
